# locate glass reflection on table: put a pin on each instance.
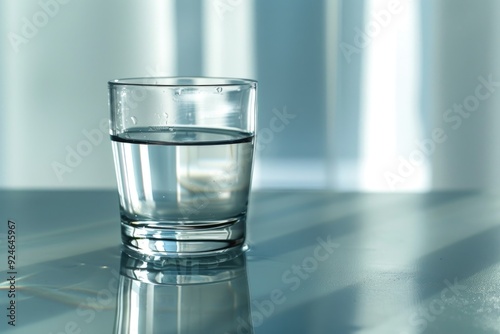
(172, 295)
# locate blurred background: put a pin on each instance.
(354, 95)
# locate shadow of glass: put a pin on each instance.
(172, 295)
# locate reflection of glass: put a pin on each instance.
(172, 295)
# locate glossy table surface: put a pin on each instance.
(319, 262)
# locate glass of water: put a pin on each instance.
(183, 151)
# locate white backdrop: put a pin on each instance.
(375, 95)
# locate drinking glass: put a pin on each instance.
(183, 152)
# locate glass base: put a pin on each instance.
(185, 239)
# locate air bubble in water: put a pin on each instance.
(219, 89)
(133, 119)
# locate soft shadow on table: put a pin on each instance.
(321, 222)
(459, 260)
(451, 279)
(332, 313)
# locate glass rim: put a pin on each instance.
(182, 81)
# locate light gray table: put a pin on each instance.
(319, 262)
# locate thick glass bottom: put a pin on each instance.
(185, 239)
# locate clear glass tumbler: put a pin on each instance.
(183, 151)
